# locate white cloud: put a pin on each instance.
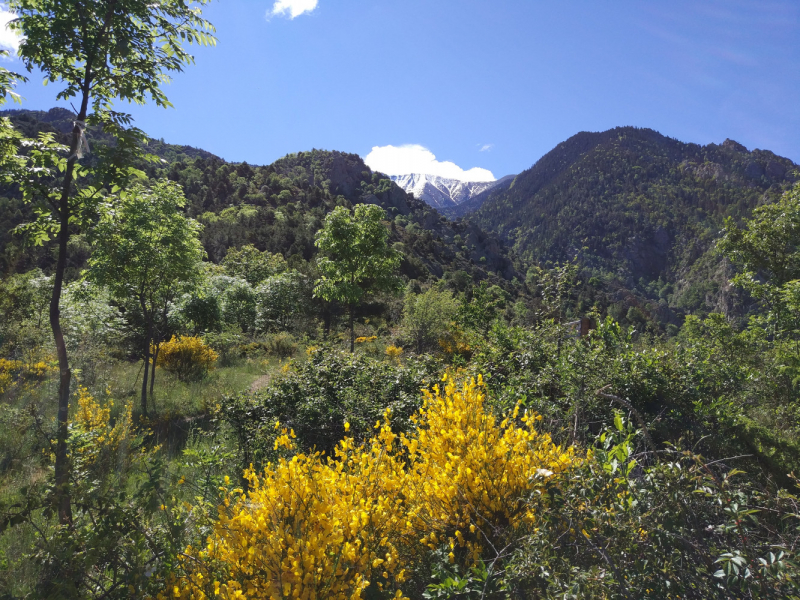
(413, 158)
(291, 8)
(486, 147)
(9, 40)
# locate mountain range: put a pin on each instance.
(278, 207)
(636, 211)
(441, 192)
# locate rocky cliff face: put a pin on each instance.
(441, 192)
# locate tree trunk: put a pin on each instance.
(352, 332)
(326, 317)
(148, 319)
(145, 378)
(153, 371)
(65, 375)
(62, 468)
(158, 337)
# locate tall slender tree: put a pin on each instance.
(356, 258)
(101, 51)
(146, 251)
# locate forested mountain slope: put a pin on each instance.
(279, 208)
(637, 207)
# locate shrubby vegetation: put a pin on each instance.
(491, 459)
(331, 528)
(316, 434)
(188, 357)
(616, 464)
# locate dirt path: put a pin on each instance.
(259, 383)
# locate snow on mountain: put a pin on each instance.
(441, 192)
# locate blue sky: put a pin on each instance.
(488, 85)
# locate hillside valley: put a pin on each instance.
(636, 211)
(280, 207)
(396, 377)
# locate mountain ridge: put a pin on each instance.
(634, 206)
(442, 192)
(636, 210)
(278, 207)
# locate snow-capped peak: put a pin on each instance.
(441, 191)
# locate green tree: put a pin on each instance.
(9, 137)
(146, 250)
(767, 254)
(483, 308)
(769, 247)
(252, 265)
(238, 300)
(427, 316)
(282, 300)
(356, 258)
(100, 51)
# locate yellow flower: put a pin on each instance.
(323, 527)
(394, 352)
(187, 356)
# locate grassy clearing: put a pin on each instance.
(172, 397)
(27, 415)
(179, 418)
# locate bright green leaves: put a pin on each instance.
(11, 164)
(356, 258)
(618, 420)
(427, 317)
(144, 248)
(615, 447)
(8, 80)
(111, 48)
(770, 246)
(767, 253)
(252, 265)
(37, 173)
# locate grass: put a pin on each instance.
(18, 573)
(172, 397)
(179, 418)
(27, 414)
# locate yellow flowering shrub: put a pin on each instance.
(93, 435)
(8, 371)
(366, 339)
(307, 528)
(394, 352)
(455, 343)
(14, 371)
(316, 527)
(469, 472)
(37, 370)
(187, 356)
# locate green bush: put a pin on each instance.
(317, 396)
(282, 345)
(672, 526)
(427, 318)
(225, 343)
